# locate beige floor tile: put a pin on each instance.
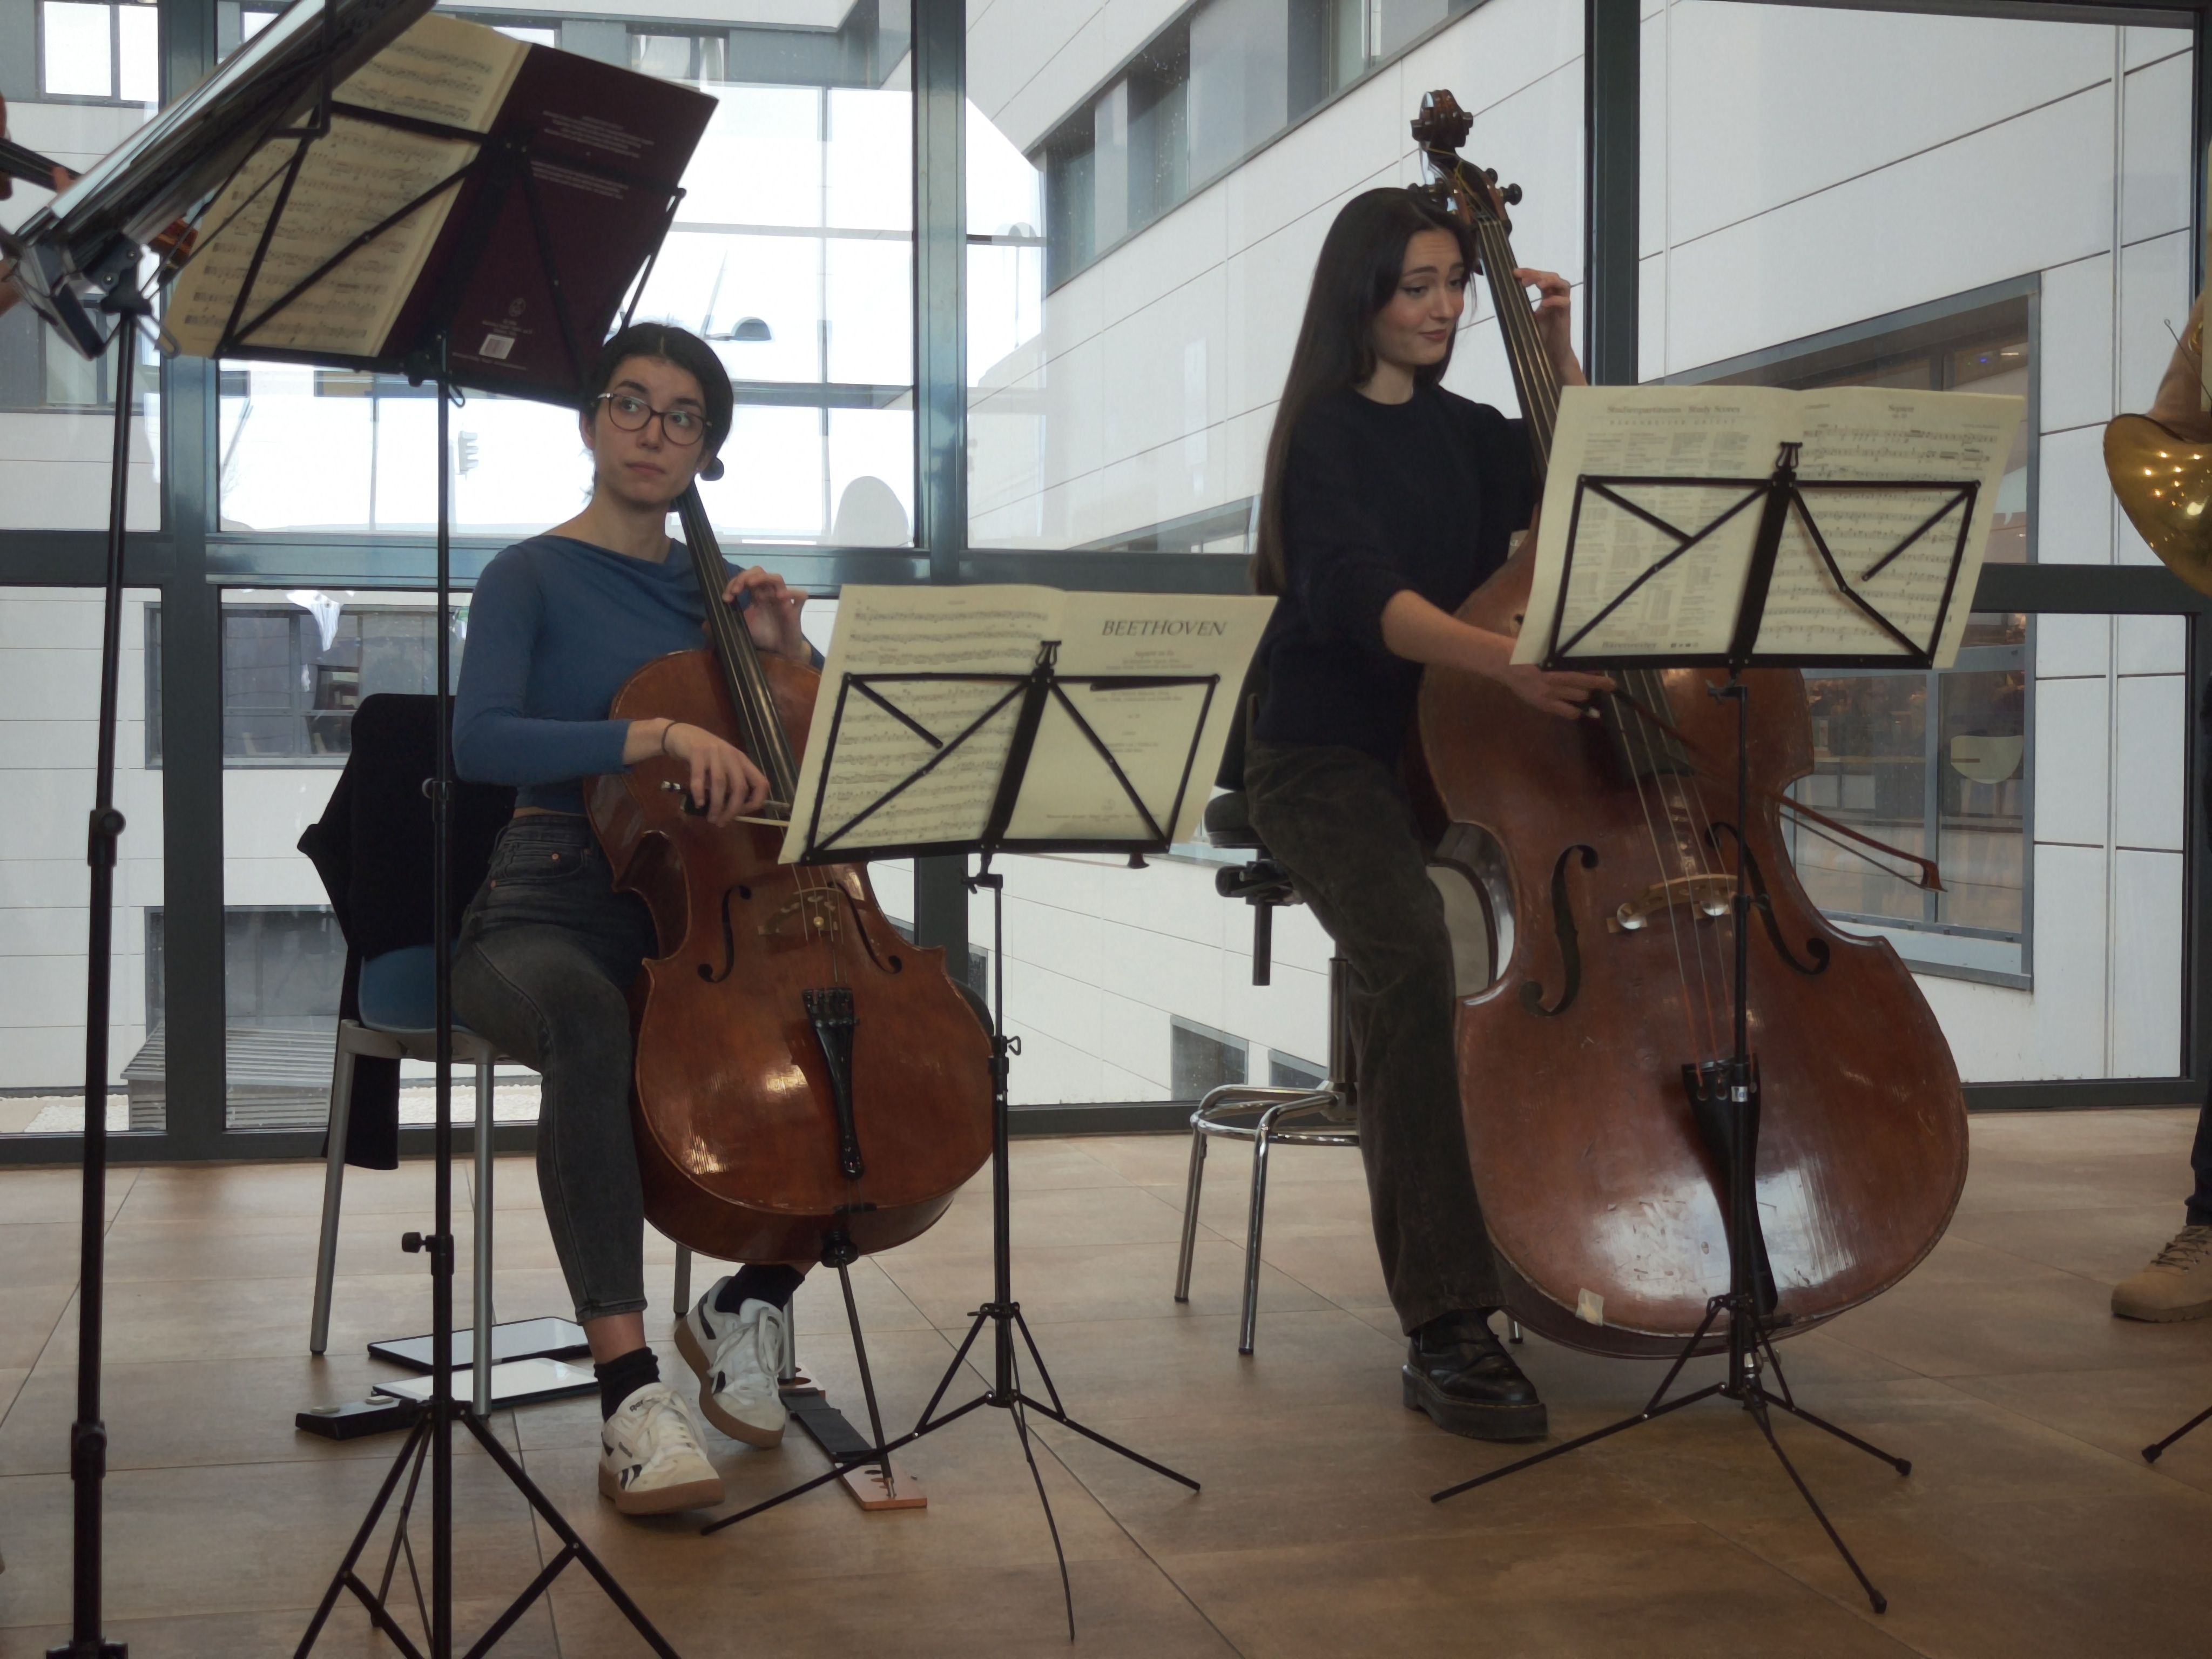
(1054, 1165)
(41, 1252)
(254, 1635)
(187, 1192)
(1119, 1214)
(56, 1195)
(2122, 1412)
(1111, 1281)
(2023, 1580)
(1967, 1313)
(2029, 1525)
(244, 1538)
(2106, 1245)
(30, 1315)
(1123, 1610)
(1294, 1209)
(190, 1411)
(1671, 1589)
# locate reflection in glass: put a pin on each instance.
(792, 254)
(50, 642)
(1934, 764)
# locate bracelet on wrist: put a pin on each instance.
(665, 731)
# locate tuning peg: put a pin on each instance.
(1511, 195)
(1490, 174)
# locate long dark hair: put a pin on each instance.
(670, 344)
(1361, 260)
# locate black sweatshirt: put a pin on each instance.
(1377, 499)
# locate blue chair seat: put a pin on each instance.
(399, 990)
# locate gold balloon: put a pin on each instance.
(2165, 483)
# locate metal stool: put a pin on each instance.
(1320, 1116)
(1325, 1115)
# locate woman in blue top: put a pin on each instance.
(548, 949)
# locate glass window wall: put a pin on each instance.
(792, 253)
(49, 697)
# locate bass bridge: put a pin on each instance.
(1710, 895)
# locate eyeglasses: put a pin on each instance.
(681, 427)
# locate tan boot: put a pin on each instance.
(2176, 1285)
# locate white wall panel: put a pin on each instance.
(2073, 734)
(2154, 150)
(1990, 1028)
(2034, 191)
(2153, 304)
(1651, 318)
(2076, 344)
(2147, 928)
(2074, 500)
(1774, 103)
(2071, 945)
(2151, 769)
(2152, 645)
(2068, 645)
(1652, 154)
(2147, 45)
(1507, 46)
(1029, 62)
(1533, 138)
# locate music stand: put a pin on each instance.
(500, 165)
(78, 260)
(1724, 1094)
(1024, 700)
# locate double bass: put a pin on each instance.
(1606, 851)
(808, 1086)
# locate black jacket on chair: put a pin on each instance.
(372, 848)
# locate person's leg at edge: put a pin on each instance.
(1339, 821)
(2177, 1282)
(540, 992)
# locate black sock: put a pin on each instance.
(622, 1376)
(771, 1282)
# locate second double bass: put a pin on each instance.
(1610, 845)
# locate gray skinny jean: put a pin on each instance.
(542, 968)
(1338, 819)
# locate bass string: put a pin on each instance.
(1690, 799)
(766, 740)
(1633, 725)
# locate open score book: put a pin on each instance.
(1911, 554)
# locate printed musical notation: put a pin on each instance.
(442, 69)
(1893, 548)
(888, 730)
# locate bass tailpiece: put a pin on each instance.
(830, 1012)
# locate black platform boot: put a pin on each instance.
(1460, 1374)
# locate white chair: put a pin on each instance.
(396, 996)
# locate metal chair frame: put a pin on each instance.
(381, 1044)
(1269, 1117)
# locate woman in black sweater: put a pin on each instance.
(1387, 502)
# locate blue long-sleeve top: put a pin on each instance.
(556, 626)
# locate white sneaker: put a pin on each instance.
(649, 1458)
(737, 1357)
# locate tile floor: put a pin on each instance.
(2028, 1526)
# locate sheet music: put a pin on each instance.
(907, 630)
(1069, 792)
(441, 70)
(1864, 432)
(1847, 433)
(1657, 431)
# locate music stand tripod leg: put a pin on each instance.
(2152, 1454)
